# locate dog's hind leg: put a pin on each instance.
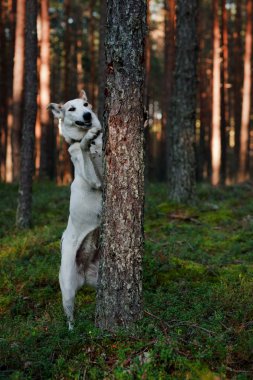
(68, 279)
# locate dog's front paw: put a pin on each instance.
(90, 136)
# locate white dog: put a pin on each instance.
(80, 241)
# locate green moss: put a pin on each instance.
(198, 286)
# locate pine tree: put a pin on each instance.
(119, 297)
(23, 218)
(182, 176)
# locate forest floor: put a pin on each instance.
(198, 293)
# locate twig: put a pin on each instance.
(237, 370)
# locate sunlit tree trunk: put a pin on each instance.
(119, 297)
(18, 86)
(12, 11)
(101, 61)
(224, 92)
(24, 210)
(246, 98)
(182, 176)
(46, 159)
(216, 133)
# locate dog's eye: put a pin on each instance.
(85, 104)
(72, 109)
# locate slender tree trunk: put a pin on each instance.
(3, 93)
(92, 55)
(147, 60)
(246, 98)
(46, 159)
(182, 176)
(216, 133)
(24, 209)
(69, 91)
(79, 59)
(119, 297)
(237, 83)
(12, 11)
(204, 95)
(101, 61)
(18, 86)
(224, 93)
(169, 65)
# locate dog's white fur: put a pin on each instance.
(79, 245)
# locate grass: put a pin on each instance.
(198, 293)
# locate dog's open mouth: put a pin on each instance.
(82, 124)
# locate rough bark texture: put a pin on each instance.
(18, 81)
(182, 175)
(23, 219)
(101, 61)
(119, 300)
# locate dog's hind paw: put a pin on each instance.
(71, 326)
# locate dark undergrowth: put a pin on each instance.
(198, 293)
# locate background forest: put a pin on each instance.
(71, 57)
(197, 269)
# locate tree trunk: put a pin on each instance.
(69, 91)
(46, 149)
(224, 92)
(24, 211)
(3, 93)
(12, 12)
(18, 86)
(216, 133)
(92, 55)
(182, 177)
(237, 83)
(101, 61)
(119, 297)
(246, 98)
(169, 65)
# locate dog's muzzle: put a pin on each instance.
(86, 123)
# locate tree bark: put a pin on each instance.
(246, 98)
(169, 65)
(119, 296)
(91, 35)
(237, 72)
(18, 86)
(24, 210)
(182, 176)
(101, 60)
(3, 93)
(12, 11)
(224, 92)
(216, 133)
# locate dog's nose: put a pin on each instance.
(87, 117)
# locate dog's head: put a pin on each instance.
(76, 117)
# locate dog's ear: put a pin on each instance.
(56, 109)
(83, 95)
